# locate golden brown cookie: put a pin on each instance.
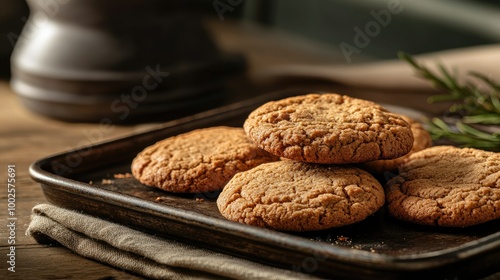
(447, 186)
(421, 140)
(328, 128)
(198, 161)
(296, 196)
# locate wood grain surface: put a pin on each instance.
(24, 138)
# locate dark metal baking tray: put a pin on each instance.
(377, 248)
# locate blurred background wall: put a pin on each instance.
(421, 26)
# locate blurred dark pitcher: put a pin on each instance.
(118, 61)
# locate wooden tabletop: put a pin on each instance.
(27, 137)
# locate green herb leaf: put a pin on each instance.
(473, 105)
(482, 119)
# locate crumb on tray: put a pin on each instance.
(107, 181)
(122, 176)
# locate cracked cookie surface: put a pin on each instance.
(198, 161)
(421, 140)
(296, 196)
(447, 186)
(328, 128)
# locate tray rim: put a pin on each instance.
(404, 263)
(107, 196)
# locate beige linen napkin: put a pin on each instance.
(141, 253)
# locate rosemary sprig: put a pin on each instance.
(463, 135)
(473, 105)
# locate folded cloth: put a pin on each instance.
(141, 253)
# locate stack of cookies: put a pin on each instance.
(306, 163)
(315, 186)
